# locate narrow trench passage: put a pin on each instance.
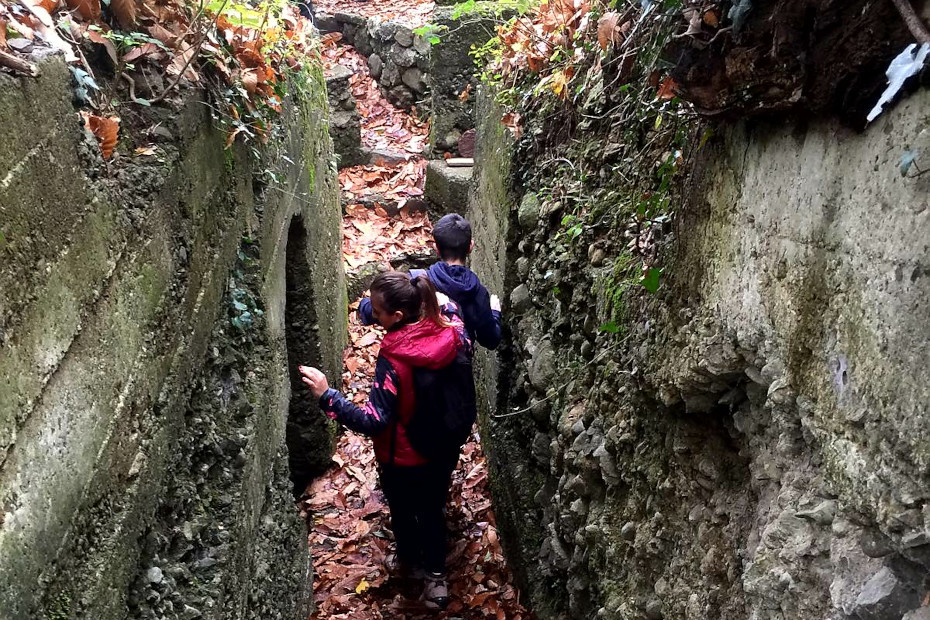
(346, 513)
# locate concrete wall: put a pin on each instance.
(344, 123)
(126, 486)
(753, 444)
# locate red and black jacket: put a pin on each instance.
(391, 402)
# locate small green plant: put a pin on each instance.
(431, 32)
(125, 41)
(573, 225)
(650, 279)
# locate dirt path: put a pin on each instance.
(348, 518)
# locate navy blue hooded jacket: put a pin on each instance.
(464, 288)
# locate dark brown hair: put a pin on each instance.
(452, 234)
(414, 297)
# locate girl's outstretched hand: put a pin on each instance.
(314, 378)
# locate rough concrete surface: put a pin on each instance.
(447, 187)
(127, 489)
(755, 445)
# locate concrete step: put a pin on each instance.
(359, 280)
(447, 187)
(391, 205)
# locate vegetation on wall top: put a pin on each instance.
(139, 52)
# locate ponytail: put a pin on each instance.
(415, 298)
(428, 301)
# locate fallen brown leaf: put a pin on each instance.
(607, 31)
(97, 37)
(667, 89)
(125, 12)
(89, 10)
(106, 130)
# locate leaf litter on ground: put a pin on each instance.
(350, 537)
(384, 127)
(410, 13)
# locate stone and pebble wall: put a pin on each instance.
(344, 123)
(754, 443)
(397, 58)
(452, 82)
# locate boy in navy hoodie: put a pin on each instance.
(481, 311)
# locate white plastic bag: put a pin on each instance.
(905, 64)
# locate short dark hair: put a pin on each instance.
(452, 234)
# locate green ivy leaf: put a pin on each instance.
(610, 328)
(650, 280)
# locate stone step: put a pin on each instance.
(386, 158)
(391, 205)
(447, 187)
(359, 280)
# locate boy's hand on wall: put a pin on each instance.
(495, 303)
(314, 378)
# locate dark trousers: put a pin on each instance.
(417, 498)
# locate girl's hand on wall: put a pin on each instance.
(314, 378)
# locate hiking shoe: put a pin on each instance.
(435, 591)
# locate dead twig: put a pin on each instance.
(132, 88)
(194, 52)
(18, 64)
(913, 21)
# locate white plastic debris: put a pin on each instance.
(905, 65)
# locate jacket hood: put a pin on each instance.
(457, 281)
(424, 344)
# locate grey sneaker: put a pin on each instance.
(435, 591)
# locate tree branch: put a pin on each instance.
(195, 52)
(18, 64)
(913, 21)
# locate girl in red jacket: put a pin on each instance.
(419, 334)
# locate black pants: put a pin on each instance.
(417, 496)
